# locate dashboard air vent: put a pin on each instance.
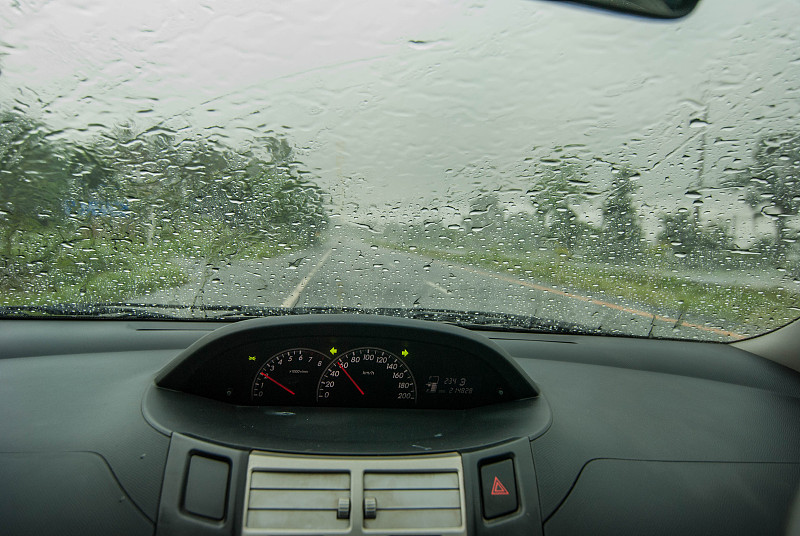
(296, 495)
(424, 500)
(298, 500)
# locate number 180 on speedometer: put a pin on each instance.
(367, 377)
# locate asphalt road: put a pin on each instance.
(352, 272)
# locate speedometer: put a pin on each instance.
(367, 377)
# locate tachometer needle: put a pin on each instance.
(351, 378)
(273, 380)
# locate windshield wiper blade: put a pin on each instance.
(138, 311)
(498, 321)
(468, 319)
(85, 311)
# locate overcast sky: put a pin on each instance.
(409, 103)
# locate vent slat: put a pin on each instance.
(298, 480)
(322, 520)
(296, 499)
(429, 519)
(398, 499)
(391, 481)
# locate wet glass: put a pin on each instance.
(586, 170)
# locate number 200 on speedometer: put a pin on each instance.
(367, 377)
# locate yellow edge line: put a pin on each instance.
(602, 303)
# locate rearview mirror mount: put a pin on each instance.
(660, 9)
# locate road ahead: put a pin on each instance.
(355, 273)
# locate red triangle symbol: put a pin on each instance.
(498, 488)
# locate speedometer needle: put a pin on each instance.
(273, 380)
(348, 375)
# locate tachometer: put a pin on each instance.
(367, 377)
(288, 378)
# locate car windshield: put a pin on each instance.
(517, 164)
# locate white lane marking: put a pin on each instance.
(438, 287)
(291, 300)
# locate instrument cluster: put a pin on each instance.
(364, 363)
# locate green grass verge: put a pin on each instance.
(96, 287)
(749, 309)
(44, 268)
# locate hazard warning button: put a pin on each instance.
(498, 488)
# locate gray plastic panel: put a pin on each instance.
(611, 412)
(707, 360)
(41, 337)
(615, 497)
(65, 494)
(89, 402)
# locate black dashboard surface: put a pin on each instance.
(631, 436)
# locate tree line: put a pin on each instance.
(559, 191)
(144, 190)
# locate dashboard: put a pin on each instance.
(368, 425)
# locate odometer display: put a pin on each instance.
(370, 377)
